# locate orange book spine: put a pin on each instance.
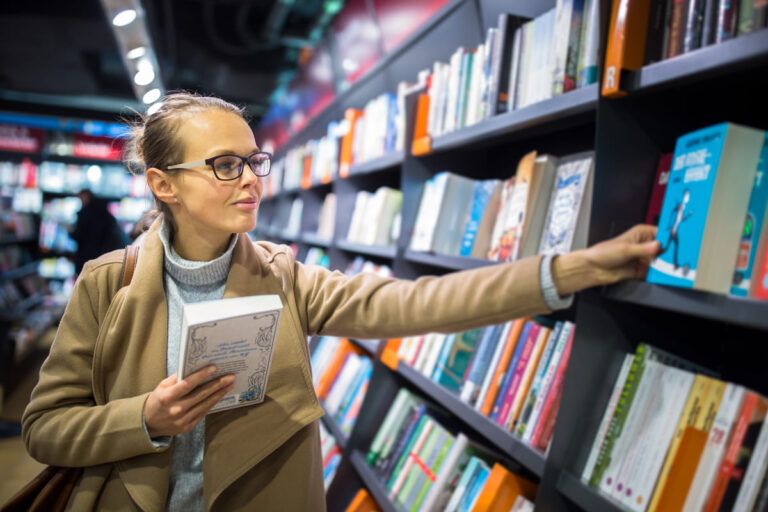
(422, 144)
(362, 502)
(683, 469)
(306, 178)
(502, 489)
(337, 361)
(389, 354)
(351, 116)
(626, 42)
(501, 368)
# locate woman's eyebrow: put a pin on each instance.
(226, 151)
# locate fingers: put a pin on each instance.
(199, 411)
(203, 392)
(190, 382)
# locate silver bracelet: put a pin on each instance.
(552, 298)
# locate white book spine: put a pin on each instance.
(426, 345)
(434, 354)
(750, 487)
(602, 430)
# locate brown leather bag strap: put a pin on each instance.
(130, 257)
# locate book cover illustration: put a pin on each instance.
(241, 344)
(564, 206)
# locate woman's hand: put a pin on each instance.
(627, 256)
(176, 407)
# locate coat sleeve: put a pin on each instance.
(371, 306)
(63, 425)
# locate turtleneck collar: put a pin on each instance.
(196, 273)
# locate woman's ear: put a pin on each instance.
(161, 185)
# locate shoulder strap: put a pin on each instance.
(129, 264)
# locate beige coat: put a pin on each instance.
(86, 410)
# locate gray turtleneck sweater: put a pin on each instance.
(185, 282)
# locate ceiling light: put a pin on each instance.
(94, 173)
(137, 52)
(153, 108)
(151, 96)
(124, 18)
(145, 73)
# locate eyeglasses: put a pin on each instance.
(230, 167)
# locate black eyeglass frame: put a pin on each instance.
(209, 162)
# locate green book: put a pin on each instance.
(454, 361)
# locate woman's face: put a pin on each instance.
(206, 203)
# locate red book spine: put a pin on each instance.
(729, 461)
(659, 188)
(676, 29)
(517, 377)
(546, 424)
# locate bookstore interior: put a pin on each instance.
(412, 138)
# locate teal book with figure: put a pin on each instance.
(454, 361)
(713, 170)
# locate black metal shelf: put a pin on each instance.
(511, 446)
(19, 311)
(378, 164)
(79, 160)
(450, 262)
(372, 482)
(369, 250)
(742, 52)
(570, 104)
(334, 429)
(13, 240)
(313, 239)
(372, 347)
(722, 308)
(22, 271)
(587, 498)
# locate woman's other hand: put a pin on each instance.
(175, 407)
(627, 256)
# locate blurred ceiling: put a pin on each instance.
(63, 55)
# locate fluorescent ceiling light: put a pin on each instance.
(151, 96)
(153, 108)
(144, 77)
(124, 18)
(94, 173)
(136, 53)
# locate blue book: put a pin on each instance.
(480, 364)
(753, 226)
(450, 370)
(705, 205)
(510, 371)
(391, 123)
(475, 486)
(482, 195)
(363, 375)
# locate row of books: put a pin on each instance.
(360, 264)
(13, 292)
(19, 225)
(426, 467)
(26, 200)
(13, 256)
(645, 32)
(25, 333)
(543, 209)
(341, 373)
(712, 219)
(54, 236)
(672, 438)
(518, 64)
(286, 217)
(331, 453)
(56, 268)
(317, 256)
(376, 217)
(512, 373)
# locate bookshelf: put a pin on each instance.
(13, 240)
(333, 428)
(24, 270)
(666, 99)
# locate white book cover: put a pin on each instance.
(361, 204)
(238, 336)
(453, 91)
(602, 430)
(505, 207)
(440, 340)
(514, 71)
(714, 450)
(366, 233)
(393, 202)
(750, 487)
(428, 340)
(492, 367)
(566, 203)
(634, 422)
(654, 441)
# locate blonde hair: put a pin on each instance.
(154, 140)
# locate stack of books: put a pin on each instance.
(376, 217)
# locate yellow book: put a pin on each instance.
(700, 410)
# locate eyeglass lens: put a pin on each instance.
(230, 167)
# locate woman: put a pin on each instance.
(108, 399)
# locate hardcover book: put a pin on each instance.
(238, 336)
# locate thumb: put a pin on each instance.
(646, 250)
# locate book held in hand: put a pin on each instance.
(238, 336)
